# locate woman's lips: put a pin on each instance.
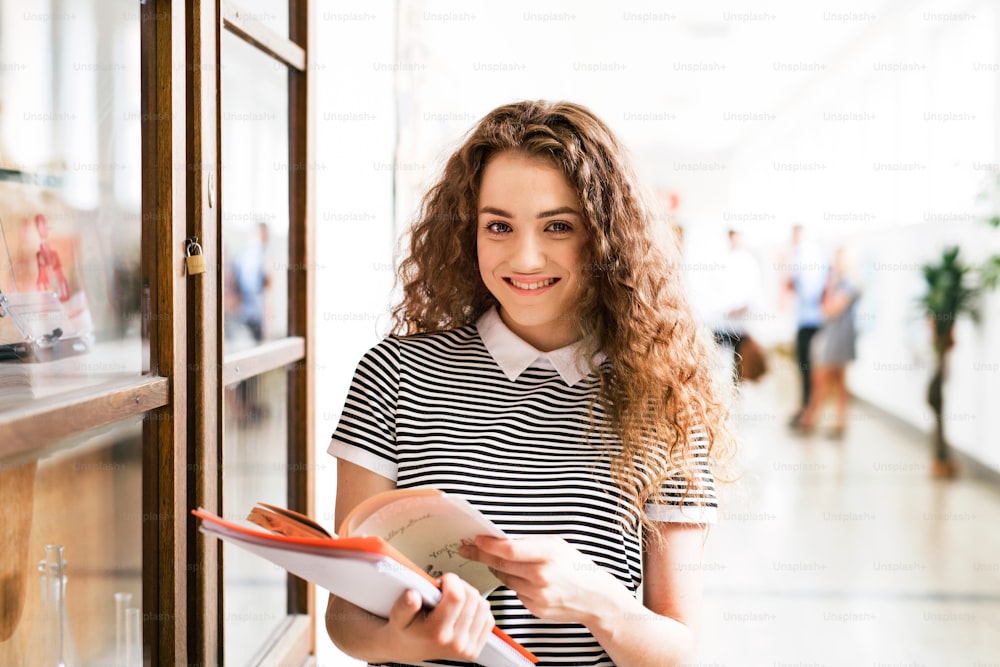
(532, 284)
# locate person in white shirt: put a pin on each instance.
(738, 297)
(546, 366)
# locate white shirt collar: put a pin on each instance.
(515, 355)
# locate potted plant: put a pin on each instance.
(953, 291)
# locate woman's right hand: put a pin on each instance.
(456, 629)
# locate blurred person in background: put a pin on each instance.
(833, 347)
(250, 280)
(806, 280)
(738, 296)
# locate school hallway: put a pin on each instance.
(847, 553)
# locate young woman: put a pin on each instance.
(833, 348)
(545, 365)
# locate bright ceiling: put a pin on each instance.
(692, 76)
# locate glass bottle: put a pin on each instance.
(133, 637)
(122, 602)
(52, 643)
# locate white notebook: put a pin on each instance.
(365, 571)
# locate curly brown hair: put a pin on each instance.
(657, 388)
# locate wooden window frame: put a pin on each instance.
(165, 447)
(179, 397)
(183, 441)
(293, 642)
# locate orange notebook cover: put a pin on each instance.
(365, 571)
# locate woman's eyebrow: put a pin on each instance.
(495, 211)
(492, 210)
(558, 211)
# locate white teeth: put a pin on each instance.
(543, 283)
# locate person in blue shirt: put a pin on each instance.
(807, 279)
(249, 282)
(252, 279)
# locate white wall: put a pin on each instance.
(355, 138)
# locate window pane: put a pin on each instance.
(254, 469)
(254, 194)
(70, 196)
(87, 499)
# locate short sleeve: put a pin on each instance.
(681, 502)
(366, 432)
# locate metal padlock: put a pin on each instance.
(195, 260)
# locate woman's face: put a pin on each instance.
(531, 242)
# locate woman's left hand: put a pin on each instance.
(553, 580)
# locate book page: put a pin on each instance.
(285, 521)
(429, 529)
(364, 570)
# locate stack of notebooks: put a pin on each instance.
(393, 542)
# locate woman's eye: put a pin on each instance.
(498, 227)
(560, 227)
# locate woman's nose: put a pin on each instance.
(527, 254)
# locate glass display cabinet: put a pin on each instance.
(132, 389)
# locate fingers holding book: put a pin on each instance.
(383, 607)
(551, 577)
(456, 629)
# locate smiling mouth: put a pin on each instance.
(531, 286)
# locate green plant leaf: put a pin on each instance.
(990, 273)
(950, 293)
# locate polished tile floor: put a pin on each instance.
(847, 552)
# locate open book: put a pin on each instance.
(394, 541)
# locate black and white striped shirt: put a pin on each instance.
(479, 413)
